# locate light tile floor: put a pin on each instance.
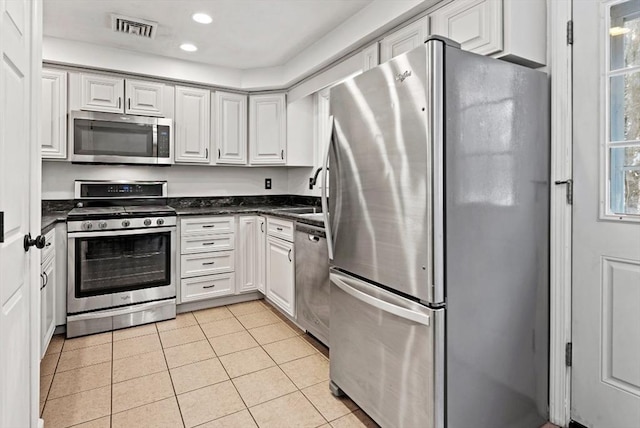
(242, 365)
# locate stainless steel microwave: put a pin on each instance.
(119, 138)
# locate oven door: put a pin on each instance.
(117, 268)
(115, 138)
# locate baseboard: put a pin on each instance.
(218, 301)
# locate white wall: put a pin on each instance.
(184, 180)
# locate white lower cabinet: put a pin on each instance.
(261, 243)
(47, 292)
(247, 254)
(280, 274)
(207, 257)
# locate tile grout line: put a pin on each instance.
(175, 395)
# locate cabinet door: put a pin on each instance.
(476, 25)
(267, 129)
(230, 128)
(144, 98)
(247, 255)
(405, 39)
(370, 57)
(192, 125)
(47, 304)
(101, 93)
(54, 114)
(281, 274)
(261, 251)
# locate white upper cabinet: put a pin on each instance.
(192, 125)
(230, 128)
(101, 93)
(267, 129)
(54, 114)
(370, 56)
(144, 98)
(510, 29)
(405, 39)
(111, 94)
(475, 24)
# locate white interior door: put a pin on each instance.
(606, 233)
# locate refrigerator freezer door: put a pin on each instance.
(385, 354)
(381, 175)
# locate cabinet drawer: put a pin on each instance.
(205, 287)
(280, 228)
(49, 247)
(206, 243)
(207, 263)
(209, 225)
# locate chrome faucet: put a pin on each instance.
(313, 181)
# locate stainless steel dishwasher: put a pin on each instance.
(312, 281)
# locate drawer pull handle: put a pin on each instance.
(208, 226)
(209, 286)
(208, 263)
(208, 243)
(279, 228)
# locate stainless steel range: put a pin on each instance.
(122, 250)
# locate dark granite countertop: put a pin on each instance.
(50, 218)
(55, 213)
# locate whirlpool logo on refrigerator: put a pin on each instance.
(401, 76)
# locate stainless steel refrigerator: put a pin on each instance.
(439, 228)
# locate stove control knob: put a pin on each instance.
(160, 222)
(147, 222)
(102, 225)
(87, 225)
(125, 223)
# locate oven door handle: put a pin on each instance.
(121, 232)
(119, 311)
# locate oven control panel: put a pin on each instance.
(118, 224)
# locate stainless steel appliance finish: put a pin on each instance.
(439, 210)
(119, 138)
(392, 363)
(122, 258)
(312, 281)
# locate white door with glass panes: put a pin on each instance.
(191, 125)
(230, 128)
(267, 129)
(20, 88)
(605, 374)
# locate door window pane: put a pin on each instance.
(625, 107)
(624, 33)
(625, 180)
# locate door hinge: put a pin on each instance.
(568, 354)
(570, 32)
(1, 226)
(569, 184)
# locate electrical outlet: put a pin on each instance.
(310, 183)
(267, 183)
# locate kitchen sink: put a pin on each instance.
(301, 210)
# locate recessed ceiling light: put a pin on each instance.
(188, 47)
(202, 18)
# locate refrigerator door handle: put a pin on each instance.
(323, 187)
(342, 282)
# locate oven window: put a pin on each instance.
(114, 264)
(99, 138)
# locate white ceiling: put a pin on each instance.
(244, 34)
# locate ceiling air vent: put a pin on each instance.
(135, 26)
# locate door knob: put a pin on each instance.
(39, 242)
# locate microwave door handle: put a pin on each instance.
(154, 142)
